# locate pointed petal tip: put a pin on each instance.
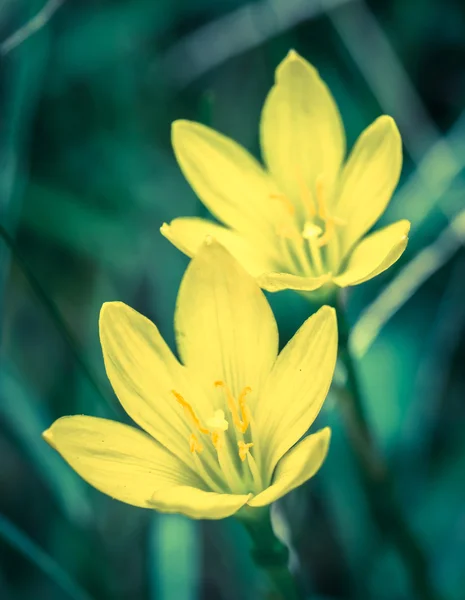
(48, 437)
(387, 122)
(110, 309)
(293, 55)
(164, 229)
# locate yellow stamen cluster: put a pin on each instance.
(241, 414)
(217, 425)
(317, 208)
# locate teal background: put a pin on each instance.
(87, 176)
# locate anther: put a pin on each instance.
(240, 421)
(245, 413)
(194, 444)
(305, 193)
(290, 208)
(190, 414)
(244, 449)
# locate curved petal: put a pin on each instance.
(297, 387)
(376, 253)
(369, 178)
(302, 135)
(229, 181)
(188, 234)
(143, 373)
(198, 504)
(225, 329)
(276, 282)
(118, 460)
(296, 467)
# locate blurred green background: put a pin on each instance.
(87, 176)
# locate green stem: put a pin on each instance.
(376, 477)
(55, 315)
(271, 555)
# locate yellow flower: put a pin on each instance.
(221, 429)
(301, 221)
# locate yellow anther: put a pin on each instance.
(242, 420)
(217, 439)
(245, 413)
(305, 193)
(290, 208)
(194, 444)
(244, 450)
(190, 414)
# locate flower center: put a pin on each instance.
(234, 463)
(319, 229)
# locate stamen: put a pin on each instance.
(244, 449)
(245, 412)
(305, 193)
(290, 208)
(241, 422)
(320, 190)
(190, 412)
(194, 444)
(313, 233)
(328, 234)
(217, 440)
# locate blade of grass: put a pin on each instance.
(26, 418)
(57, 318)
(407, 282)
(31, 27)
(386, 76)
(45, 563)
(235, 33)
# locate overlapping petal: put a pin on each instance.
(297, 386)
(302, 135)
(376, 253)
(143, 371)
(229, 181)
(188, 234)
(118, 460)
(198, 504)
(225, 329)
(296, 467)
(275, 282)
(369, 178)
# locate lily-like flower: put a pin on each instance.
(300, 222)
(221, 431)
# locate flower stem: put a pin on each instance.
(271, 555)
(377, 479)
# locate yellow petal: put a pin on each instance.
(198, 504)
(188, 234)
(296, 467)
(302, 135)
(376, 253)
(297, 386)
(143, 371)
(225, 329)
(369, 179)
(276, 282)
(118, 460)
(229, 181)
